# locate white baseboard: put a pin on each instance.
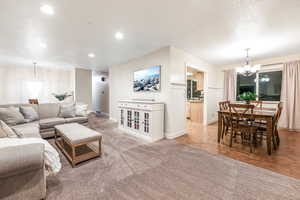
(175, 134)
(113, 119)
(106, 114)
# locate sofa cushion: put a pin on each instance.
(51, 122)
(28, 132)
(29, 124)
(29, 113)
(6, 131)
(48, 110)
(11, 116)
(67, 110)
(81, 110)
(77, 120)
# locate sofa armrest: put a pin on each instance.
(21, 159)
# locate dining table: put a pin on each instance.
(263, 114)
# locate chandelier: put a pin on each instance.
(247, 69)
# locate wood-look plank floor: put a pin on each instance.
(286, 160)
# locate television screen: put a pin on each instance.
(147, 80)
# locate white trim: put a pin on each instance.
(136, 134)
(270, 68)
(175, 134)
(106, 114)
(113, 119)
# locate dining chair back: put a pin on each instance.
(33, 101)
(238, 111)
(224, 105)
(278, 113)
(242, 121)
(276, 119)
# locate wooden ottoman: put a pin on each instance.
(74, 142)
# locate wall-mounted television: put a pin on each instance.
(147, 80)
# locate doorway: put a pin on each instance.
(194, 99)
(194, 95)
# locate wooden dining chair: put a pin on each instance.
(277, 117)
(262, 128)
(224, 105)
(33, 101)
(242, 121)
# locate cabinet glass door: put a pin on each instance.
(129, 118)
(146, 123)
(136, 120)
(122, 117)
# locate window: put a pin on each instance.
(245, 84)
(268, 87)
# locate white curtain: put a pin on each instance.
(14, 83)
(230, 85)
(290, 96)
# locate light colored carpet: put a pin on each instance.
(132, 169)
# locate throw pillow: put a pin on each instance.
(29, 113)
(81, 110)
(11, 116)
(6, 131)
(67, 110)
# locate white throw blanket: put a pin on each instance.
(52, 160)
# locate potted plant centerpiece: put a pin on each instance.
(61, 97)
(247, 97)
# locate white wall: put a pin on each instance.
(121, 80)
(173, 86)
(100, 92)
(179, 59)
(14, 79)
(83, 86)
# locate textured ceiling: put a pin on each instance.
(216, 31)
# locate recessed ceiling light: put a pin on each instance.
(119, 36)
(91, 55)
(43, 45)
(47, 9)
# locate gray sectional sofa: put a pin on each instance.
(23, 175)
(48, 118)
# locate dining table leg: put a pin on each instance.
(269, 135)
(219, 126)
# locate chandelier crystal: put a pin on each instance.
(247, 69)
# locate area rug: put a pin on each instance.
(132, 169)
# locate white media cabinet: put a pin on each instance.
(144, 119)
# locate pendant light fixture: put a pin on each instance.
(34, 86)
(247, 69)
